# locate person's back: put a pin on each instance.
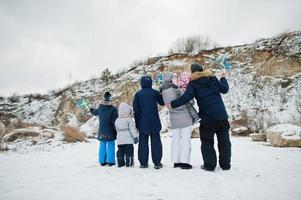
(206, 88)
(107, 114)
(125, 126)
(179, 117)
(126, 136)
(148, 122)
(146, 108)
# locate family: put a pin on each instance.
(203, 86)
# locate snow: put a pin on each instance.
(287, 131)
(90, 127)
(71, 172)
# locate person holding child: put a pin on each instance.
(181, 124)
(207, 90)
(107, 114)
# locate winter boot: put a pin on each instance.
(158, 166)
(144, 166)
(175, 165)
(185, 166)
(206, 169)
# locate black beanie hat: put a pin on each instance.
(196, 68)
(107, 96)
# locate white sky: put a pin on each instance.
(46, 44)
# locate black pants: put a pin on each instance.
(125, 155)
(207, 131)
(143, 149)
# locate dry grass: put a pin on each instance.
(3, 146)
(72, 134)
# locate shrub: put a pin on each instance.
(191, 44)
(72, 134)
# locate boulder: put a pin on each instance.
(284, 135)
(258, 137)
(240, 131)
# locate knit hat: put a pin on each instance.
(107, 96)
(196, 68)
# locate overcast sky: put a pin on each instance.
(47, 44)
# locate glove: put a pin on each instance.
(136, 140)
(91, 110)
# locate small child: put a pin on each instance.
(126, 135)
(182, 83)
(107, 114)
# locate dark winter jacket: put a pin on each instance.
(206, 89)
(107, 115)
(146, 109)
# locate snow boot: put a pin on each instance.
(185, 166)
(143, 166)
(175, 165)
(206, 169)
(158, 166)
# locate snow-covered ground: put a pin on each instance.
(71, 172)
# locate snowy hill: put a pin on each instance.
(265, 85)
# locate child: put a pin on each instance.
(148, 122)
(182, 83)
(126, 135)
(181, 125)
(107, 114)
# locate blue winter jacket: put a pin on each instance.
(206, 89)
(146, 109)
(107, 114)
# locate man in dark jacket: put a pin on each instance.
(206, 88)
(107, 115)
(148, 122)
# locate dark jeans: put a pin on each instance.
(125, 155)
(143, 150)
(207, 131)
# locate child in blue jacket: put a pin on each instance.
(107, 114)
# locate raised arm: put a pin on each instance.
(222, 84)
(94, 111)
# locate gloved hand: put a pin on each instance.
(136, 140)
(91, 110)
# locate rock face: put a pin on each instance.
(2, 131)
(265, 85)
(285, 135)
(258, 137)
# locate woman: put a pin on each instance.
(181, 125)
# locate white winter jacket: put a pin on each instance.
(125, 125)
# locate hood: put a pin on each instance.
(203, 74)
(124, 110)
(146, 82)
(167, 77)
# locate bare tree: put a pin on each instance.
(192, 44)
